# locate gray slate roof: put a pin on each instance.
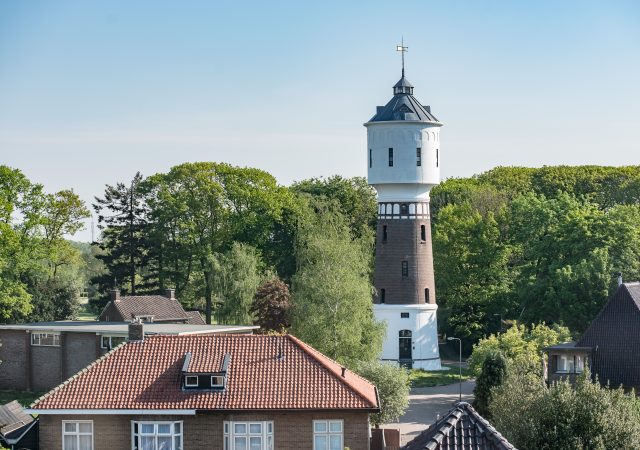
(614, 337)
(13, 420)
(405, 107)
(461, 428)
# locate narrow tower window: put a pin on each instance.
(384, 233)
(426, 295)
(423, 233)
(404, 209)
(437, 157)
(382, 295)
(418, 157)
(405, 268)
(390, 157)
(370, 159)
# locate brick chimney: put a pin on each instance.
(170, 293)
(115, 295)
(136, 331)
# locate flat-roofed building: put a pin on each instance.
(39, 356)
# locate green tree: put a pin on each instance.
(332, 307)
(494, 370)
(519, 345)
(565, 263)
(564, 417)
(354, 198)
(122, 217)
(271, 305)
(393, 389)
(235, 277)
(34, 254)
(198, 210)
(473, 279)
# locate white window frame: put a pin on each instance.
(266, 434)
(36, 339)
(578, 366)
(110, 337)
(155, 424)
(568, 366)
(186, 381)
(148, 318)
(76, 433)
(328, 433)
(214, 384)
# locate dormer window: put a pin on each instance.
(191, 381)
(201, 375)
(145, 318)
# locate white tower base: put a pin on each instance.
(421, 321)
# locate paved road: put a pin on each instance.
(424, 406)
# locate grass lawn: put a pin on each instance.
(24, 398)
(85, 314)
(423, 378)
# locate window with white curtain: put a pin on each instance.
(77, 435)
(327, 435)
(156, 435)
(248, 435)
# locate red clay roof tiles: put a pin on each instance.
(147, 375)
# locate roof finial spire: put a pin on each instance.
(401, 48)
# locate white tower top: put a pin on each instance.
(403, 147)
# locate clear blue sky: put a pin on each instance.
(93, 91)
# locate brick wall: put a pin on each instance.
(404, 243)
(292, 431)
(110, 314)
(40, 368)
(46, 366)
(79, 352)
(14, 357)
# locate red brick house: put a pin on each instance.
(219, 392)
(148, 308)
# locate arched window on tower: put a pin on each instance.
(437, 158)
(382, 295)
(426, 295)
(405, 269)
(390, 157)
(404, 209)
(423, 233)
(370, 158)
(384, 233)
(418, 156)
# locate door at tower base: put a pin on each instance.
(412, 335)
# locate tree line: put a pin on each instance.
(533, 245)
(512, 243)
(41, 272)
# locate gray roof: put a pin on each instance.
(461, 427)
(13, 419)
(568, 346)
(91, 326)
(403, 82)
(405, 107)
(615, 340)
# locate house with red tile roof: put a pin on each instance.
(148, 308)
(226, 392)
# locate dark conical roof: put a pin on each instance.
(403, 82)
(404, 106)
